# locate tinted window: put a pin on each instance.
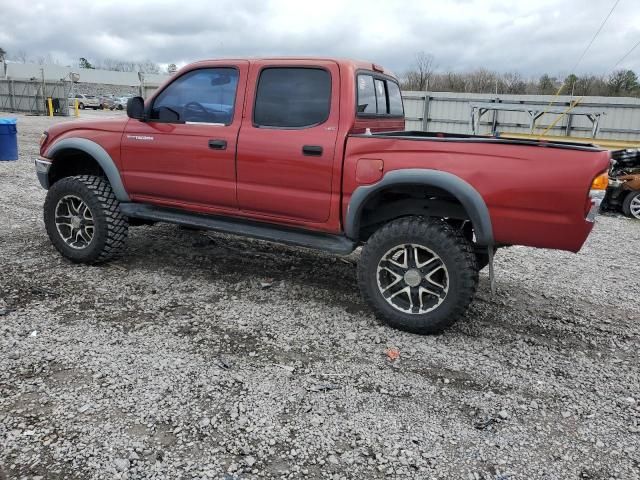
(366, 94)
(395, 99)
(292, 97)
(205, 95)
(381, 97)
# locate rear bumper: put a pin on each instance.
(43, 165)
(596, 196)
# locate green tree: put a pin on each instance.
(84, 63)
(623, 82)
(569, 84)
(546, 85)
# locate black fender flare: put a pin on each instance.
(100, 155)
(466, 194)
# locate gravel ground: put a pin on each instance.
(207, 356)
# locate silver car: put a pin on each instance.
(85, 101)
(120, 103)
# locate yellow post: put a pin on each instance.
(75, 107)
(50, 105)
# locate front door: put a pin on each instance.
(184, 154)
(287, 141)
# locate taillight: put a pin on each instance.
(601, 182)
(596, 194)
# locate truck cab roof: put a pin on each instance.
(345, 63)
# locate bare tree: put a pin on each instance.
(454, 82)
(147, 66)
(481, 81)
(418, 77)
(21, 56)
(512, 82)
(3, 54)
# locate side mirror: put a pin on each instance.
(135, 108)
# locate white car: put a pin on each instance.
(85, 101)
(120, 103)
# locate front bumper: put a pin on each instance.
(43, 165)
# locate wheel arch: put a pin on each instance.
(88, 158)
(465, 194)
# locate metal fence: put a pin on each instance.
(30, 96)
(451, 112)
(426, 111)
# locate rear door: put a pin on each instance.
(287, 141)
(184, 155)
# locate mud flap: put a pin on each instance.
(492, 278)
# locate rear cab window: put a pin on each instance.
(292, 97)
(378, 96)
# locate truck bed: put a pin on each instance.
(536, 191)
(457, 137)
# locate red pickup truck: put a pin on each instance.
(312, 152)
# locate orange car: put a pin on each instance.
(623, 192)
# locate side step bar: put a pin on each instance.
(319, 241)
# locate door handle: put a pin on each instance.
(312, 150)
(218, 144)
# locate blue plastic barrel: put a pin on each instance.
(8, 139)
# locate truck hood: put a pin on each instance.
(107, 125)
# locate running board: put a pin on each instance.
(263, 231)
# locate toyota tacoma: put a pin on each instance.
(312, 152)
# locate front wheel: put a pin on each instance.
(418, 275)
(631, 204)
(83, 220)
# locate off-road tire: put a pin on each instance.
(453, 249)
(626, 204)
(110, 226)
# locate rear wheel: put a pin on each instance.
(418, 275)
(631, 205)
(83, 220)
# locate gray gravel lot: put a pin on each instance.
(201, 356)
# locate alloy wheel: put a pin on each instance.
(634, 206)
(412, 278)
(74, 221)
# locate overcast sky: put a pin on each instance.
(528, 36)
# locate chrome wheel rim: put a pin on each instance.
(635, 206)
(412, 278)
(74, 222)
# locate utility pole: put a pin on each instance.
(44, 93)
